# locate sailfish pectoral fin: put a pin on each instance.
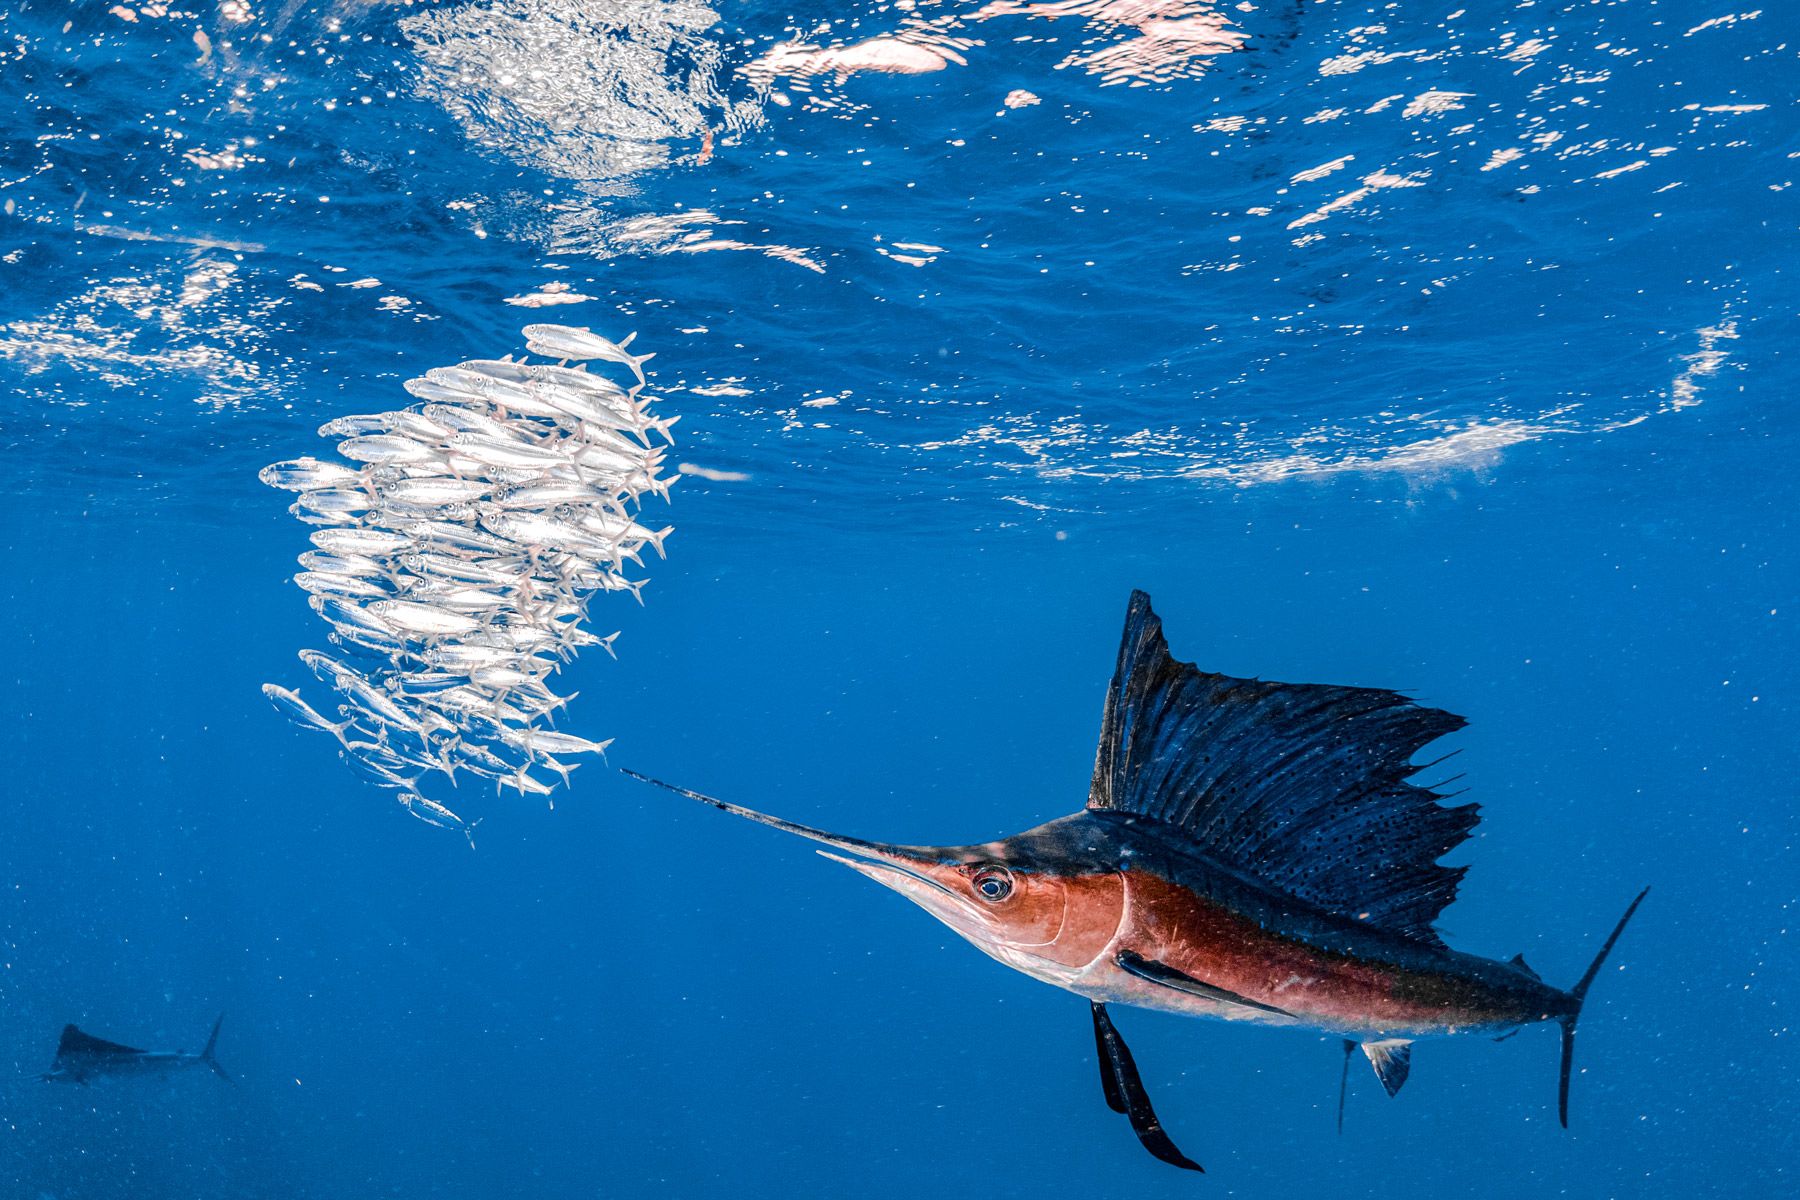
(1181, 981)
(1125, 1092)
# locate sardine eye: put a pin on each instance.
(993, 884)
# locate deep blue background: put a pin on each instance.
(633, 995)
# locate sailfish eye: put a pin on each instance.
(993, 884)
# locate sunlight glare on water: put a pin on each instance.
(1119, 278)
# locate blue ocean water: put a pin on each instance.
(1420, 347)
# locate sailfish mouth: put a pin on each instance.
(891, 870)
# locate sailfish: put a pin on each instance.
(1250, 851)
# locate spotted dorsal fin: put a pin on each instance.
(1301, 787)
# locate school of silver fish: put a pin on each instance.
(456, 552)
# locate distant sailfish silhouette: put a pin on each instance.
(1250, 851)
(81, 1056)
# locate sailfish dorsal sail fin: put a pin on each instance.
(76, 1042)
(1302, 787)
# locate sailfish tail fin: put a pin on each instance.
(1578, 994)
(207, 1055)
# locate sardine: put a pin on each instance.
(556, 743)
(386, 448)
(553, 493)
(459, 599)
(533, 529)
(322, 584)
(422, 618)
(580, 379)
(466, 658)
(449, 566)
(463, 419)
(427, 681)
(504, 677)
(420, 427)
(373, 700)
(367, 639)
(360, 541)
(504, 454)
(357, 426)
(307, 474)
(433, 813)
(302, 713)
(566, 341)
(344, 613)
(523, 781)
(497, 368)
(439, 490)
(342, 564)
(457, 537)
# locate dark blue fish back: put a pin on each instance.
(1302, 787)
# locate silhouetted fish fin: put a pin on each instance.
(1518, 960)
(1181, 981)
(1300, 786)
(1128, 1087)
(1392, 1060)
(1109, 1080)
(1344, 1082)
(76, 1042)
(1578, 994)
(208, 1055)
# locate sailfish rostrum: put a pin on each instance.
(1250, 851)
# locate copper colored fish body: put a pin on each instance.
(1076, 897)
(1250, 851)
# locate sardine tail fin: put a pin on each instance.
(1578, 994)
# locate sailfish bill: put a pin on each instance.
(1250, 851)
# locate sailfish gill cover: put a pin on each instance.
(1436, 358)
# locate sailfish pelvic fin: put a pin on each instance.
(1344, 1082)
(1125, 1092)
